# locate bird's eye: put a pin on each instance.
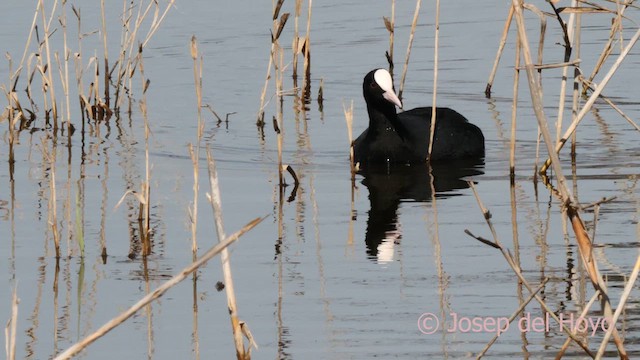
(374, 85)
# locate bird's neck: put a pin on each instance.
(382, 118)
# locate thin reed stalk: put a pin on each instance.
(514, 109)
(348, 115)
(503, 42)
(568, 31)
(158, 292)
(307, 56)
(436, 45)
(65, 78)
(275, 34)
(390, 25)
(145, 208)
(106, 54)
(414, 23)
(195, 157)
(49, 77)
(216, 205)
(296, 45)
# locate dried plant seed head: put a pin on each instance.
(194, 48)
(276, 11)
(388, 24)
(281, 24)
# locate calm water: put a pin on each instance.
(343, 280)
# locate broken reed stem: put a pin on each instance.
(513, 316)
(195, 158)
(592, 99)
(216, 205)
(621, 304)
(406, 60)
(582, 238)
(503, 41)
(432, 130)
(158, 292)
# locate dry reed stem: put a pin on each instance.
(516, 268)
(592, 99)
(568, 31)
(106, 53)
(621, 304)
(432, 129)
(348, 115)
(158, 292)
(145, 207)
(503, 41)
(514, 106)
(307, 55)
(513, 316)
(390, 25)
(11, 329)
(567, 342)
(543, 30)
(216, 205)
(65, 78)
(276, 30)
(295, 46)
(49, 77)
(197, 79)
(568, 200)
(414, 23)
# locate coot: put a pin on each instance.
(404, 138)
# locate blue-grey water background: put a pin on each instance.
(317, 292)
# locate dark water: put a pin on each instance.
(320, 277)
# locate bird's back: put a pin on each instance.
(455, 137)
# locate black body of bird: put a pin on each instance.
(403, 138)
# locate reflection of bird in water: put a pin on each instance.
(388, 187)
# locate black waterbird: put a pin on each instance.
(403, 138)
